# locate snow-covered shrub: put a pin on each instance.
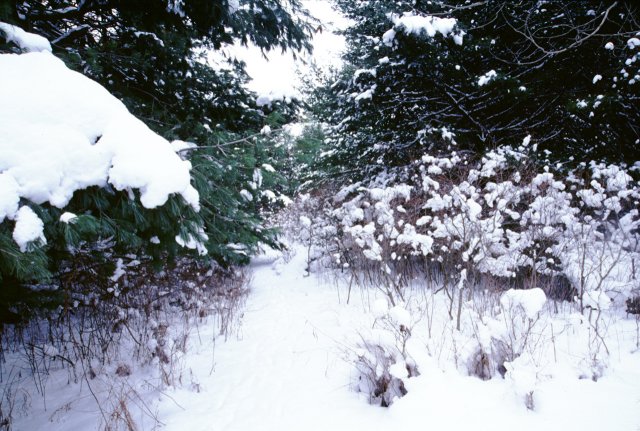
(602, 239)
(519, 317)
(381, 357)
(501, 330)
(306, 220)
(499, 217)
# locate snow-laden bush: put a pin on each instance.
(497, 217)
(493, 241)
(381, 357)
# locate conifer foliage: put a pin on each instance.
(487, 73)
(165, 60)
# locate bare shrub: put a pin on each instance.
(14, 401)
(138, 318)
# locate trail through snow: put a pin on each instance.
(286, 369)
(288, 365)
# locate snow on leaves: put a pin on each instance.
(419, 25)
(499, 217)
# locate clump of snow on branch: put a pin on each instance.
(418, 25)
(486, 78)
(63, 132)
(29, 228)
(27, 42)
(272, 96)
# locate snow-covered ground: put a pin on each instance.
(289, 368)
(289, 365)
(285, 370)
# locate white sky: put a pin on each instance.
(279, 74)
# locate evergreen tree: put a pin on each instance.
(563, 72)
(164, 60)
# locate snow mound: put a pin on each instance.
(62, 132)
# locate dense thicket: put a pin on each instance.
(563, 72)
(485, 142)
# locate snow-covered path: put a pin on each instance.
(284, 370)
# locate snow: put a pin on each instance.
(119, 270)
(176, 7)
(597, 300)
(246, 195)
(267, 167)
(486, 78)
(288, 365)
(194, 242)
(151, 35)
(367, 94)
(400, 316)
(233, 6)
(9, 196)
(179, 146)
(597, 78)
(266, 130)
(418, 25)
(68, 217)
(380, 308)
(63, 132)
(609, 45)
(305, 221)
(285, 95)
(530, 301)
(474, 209)
(389, 36)
(28, 229)
(26, 41)
(633, 42)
